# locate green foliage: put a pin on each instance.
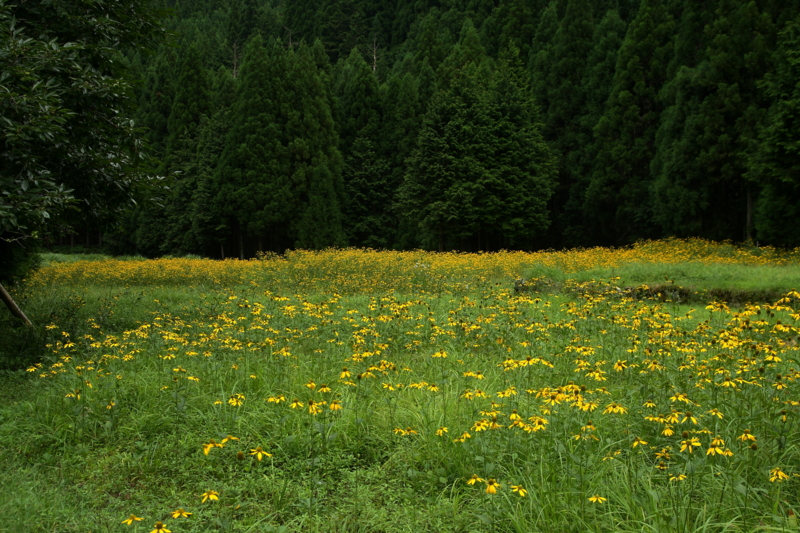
(699, 186)
(775, 165)
(192, 101)
(564, 76)
(578, 228)
(664, 116)
(155, 103)
(250, 186)
(481, 174)
(618, 197)
(65, 134)
(279, 175)
(17, 260)
(316, 170)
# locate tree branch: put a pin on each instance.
(15, 310)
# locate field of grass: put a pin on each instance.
(406, 391)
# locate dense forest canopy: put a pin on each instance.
(466, 124)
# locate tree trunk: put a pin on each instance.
(12, 306)
(241, 246)
(235, 60)
(222, 250)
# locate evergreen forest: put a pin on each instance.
(464, 125)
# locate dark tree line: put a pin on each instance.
(467, 124)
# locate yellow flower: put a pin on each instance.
(746, 436)
(296, 404)
(210, 495)
(314, 407)
(441, 431)
(690, 444)
(492, 486)
(324, 388)
(211, 444)
(229, 437)
(345, 373)
(311, 385)
(680, 477)
(276, 399)
(519, 490)
(131, 519)
(474, 479)
(615, 408)
(597, 499)
(259, 453)
(335, 405)
(637, 441)
(776, 474)
(236, 400)
(180, 513)
(464, 436)
(160, 528)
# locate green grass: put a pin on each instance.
(75, 461)
(52, 258)
(701, 281)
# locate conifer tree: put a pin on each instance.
(597, 80)
(699, 169)
(316, 163)
(564, 81)
(358, 100)
(155, 102)
(617, 199)
(523, 170)
(520, 25)
(540, 60)
(469, 51)
(440, 188)
(242, 23)
(775, 164)
(432, 42)
(192, 101)
(207, 230)
(401, 121)
(341, 26)
(481, 174)
(300, 18)
(252, 196)
(366, 177)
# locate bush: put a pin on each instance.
(17, 260)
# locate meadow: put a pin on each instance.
(651, 388)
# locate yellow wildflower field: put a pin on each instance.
(396, 390)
